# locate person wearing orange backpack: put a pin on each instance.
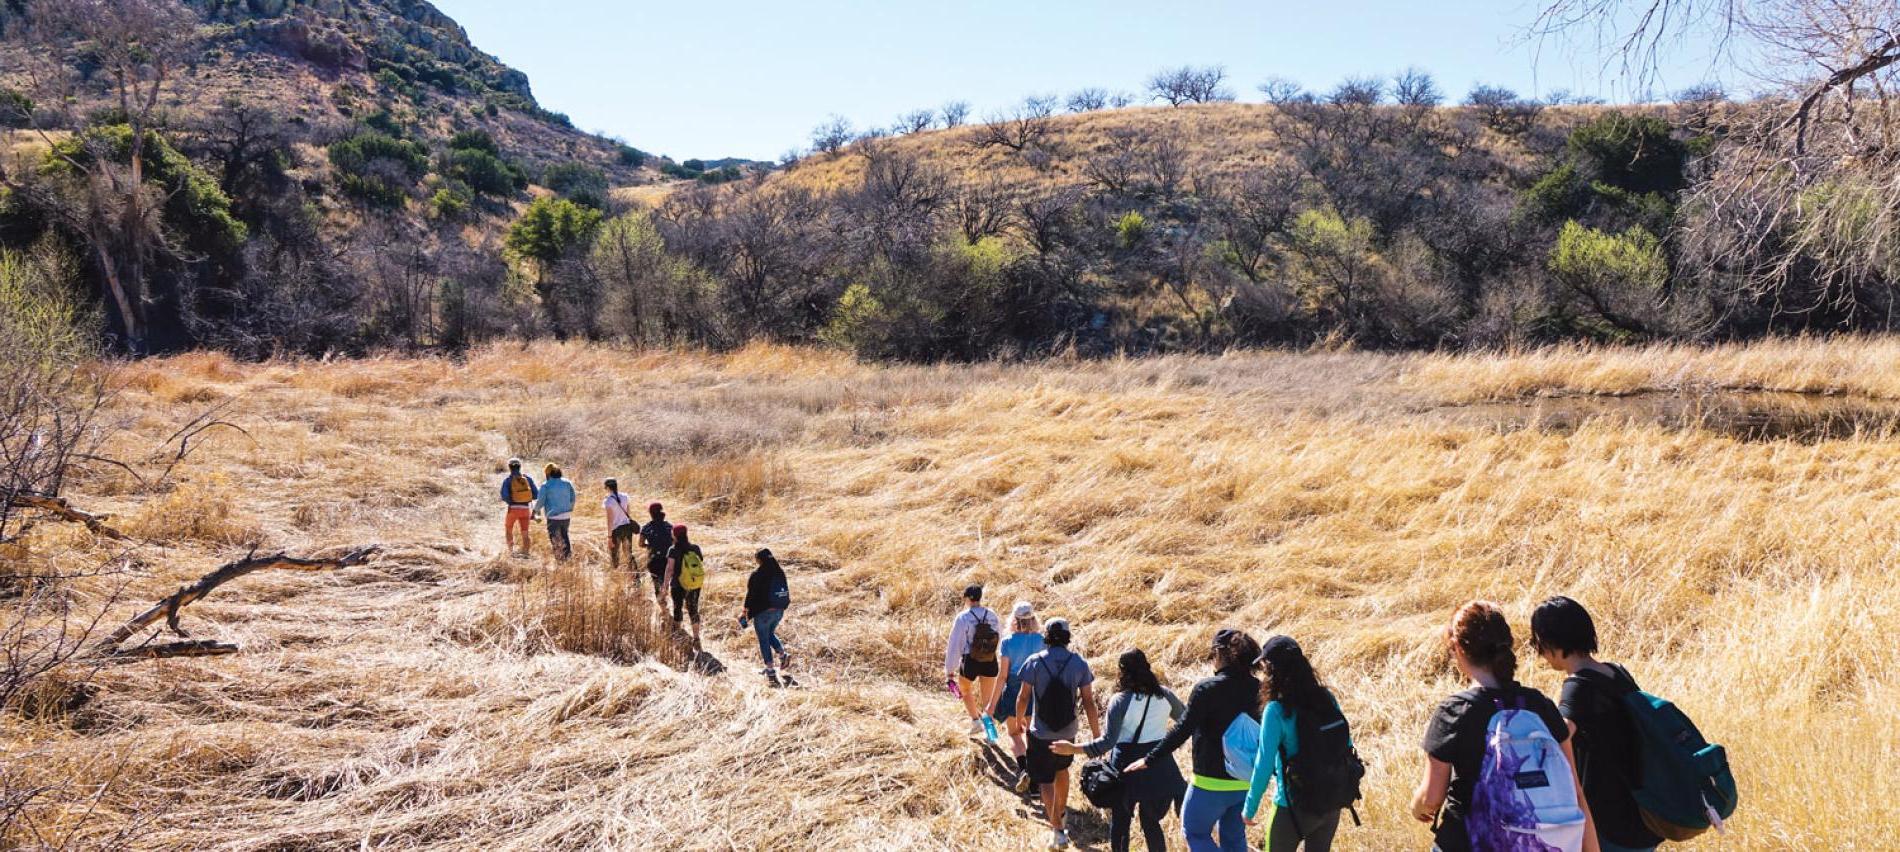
(518, 494)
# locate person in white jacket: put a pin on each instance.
(969, 658)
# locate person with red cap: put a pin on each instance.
(657, 538)
(685, 575)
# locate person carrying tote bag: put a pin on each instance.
(1138, 716)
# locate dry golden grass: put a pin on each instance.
(446, 698)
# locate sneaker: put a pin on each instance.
(976, 728)
(1022, 783)
(768, 671)
(1059, 840)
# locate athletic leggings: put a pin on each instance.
(1288, 829)
(1212, 822)
(765, 624)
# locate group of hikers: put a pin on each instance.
(675, 564)
(1606, 768)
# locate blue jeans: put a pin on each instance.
(766, 625)
(1208, 813)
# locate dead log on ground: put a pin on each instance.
(59, 508)
(168, 608)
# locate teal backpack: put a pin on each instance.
(1684, 786)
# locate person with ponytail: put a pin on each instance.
(1481, 647)
(1211, 815)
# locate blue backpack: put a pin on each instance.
(1240, 744)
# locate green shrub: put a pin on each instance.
(580, 182)
(1635, 153)
(483, 172)
(16, 109)
(630, 156)
(1130, 229)
(452, 202)
(1591, 259)
(378, 168)
(550, 228)
(474, 140)
(195, 206)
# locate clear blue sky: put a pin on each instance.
(750, 78)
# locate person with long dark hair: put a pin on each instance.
(1603, 735)
(686, 575)
(767, 595)
(1138, 717)
(1289, 690)
(1210, 815)
(1482, 648)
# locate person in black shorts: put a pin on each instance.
(1603, 735)
(1061, 684)
(657, 538)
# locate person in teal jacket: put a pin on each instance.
(1287, 686)
(556, 501)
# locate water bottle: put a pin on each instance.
(989, 726)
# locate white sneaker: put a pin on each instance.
(976, 728)
(1059, 840)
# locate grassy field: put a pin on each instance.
(447, 697)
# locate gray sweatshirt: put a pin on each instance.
(1118, 716)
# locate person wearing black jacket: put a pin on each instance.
(1211, 815)
(657, 538)
(767, 595)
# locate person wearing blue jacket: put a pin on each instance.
(518, 494)
(556, 502)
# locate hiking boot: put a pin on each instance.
(1059, 839)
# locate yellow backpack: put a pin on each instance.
(692, 571)
(519, 491)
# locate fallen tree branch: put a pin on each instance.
(169, 608)
(59, 508)
(191, 648)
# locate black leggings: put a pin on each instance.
(689, 599)
(1315, 829)
(1121, 824)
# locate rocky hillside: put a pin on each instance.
(342, 173)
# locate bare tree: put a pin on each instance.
(916, 121)
(1022, 128)
(981, 209)
(1088, 100)
(955, 113)
(1281, 91)
(1190, 85)
(1415, 88)
(138, 46)
(1502, 110)
(831, 136)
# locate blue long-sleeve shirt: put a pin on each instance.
(533, 492)
(1277, 728)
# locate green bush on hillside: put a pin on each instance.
(580, 182)
(550, 228)
(377, 168)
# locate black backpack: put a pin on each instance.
(983, 641)
(1055, 701)
(1324, 775)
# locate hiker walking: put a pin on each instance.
(556, 503)
(685, 575)
(517, 494)
(767, 595)
(1138, 717)
(1061, 682)
(969, 658)
(1023, 642)
(1210, 815)
(1603, 736)
(1479, 739)
(1303, 736)
(620, 523)
(657, 538)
